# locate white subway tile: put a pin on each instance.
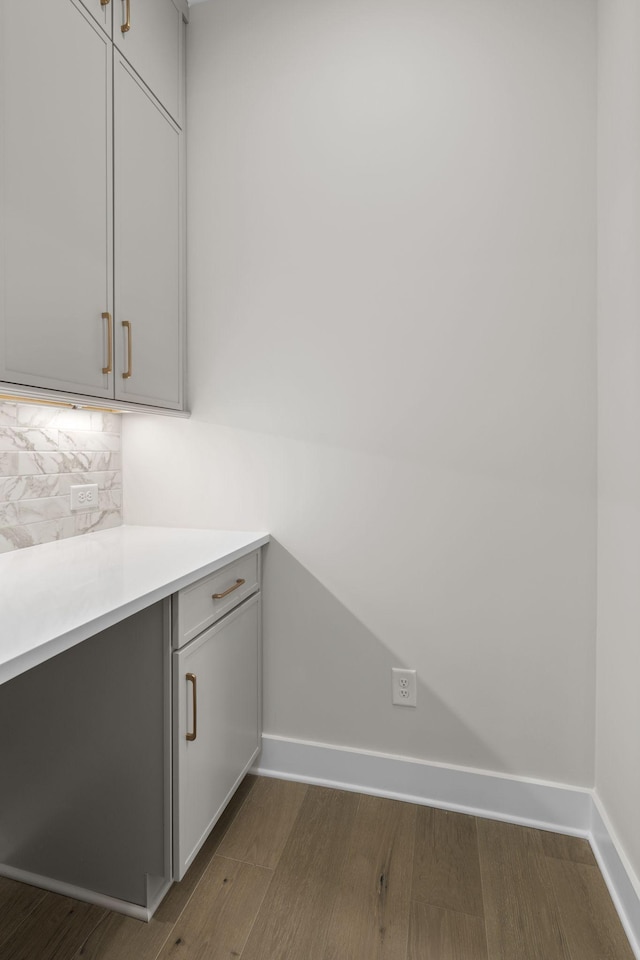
(8, 515)
(68, 461)
(31, 415)
(21, 438)
(8, 464)
(87, 440)
(100, 520)
(32, 534)
(47, 508)
(8, 413)
(12, 488)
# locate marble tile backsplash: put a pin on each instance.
(43, 451)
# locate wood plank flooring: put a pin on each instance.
(296, 872)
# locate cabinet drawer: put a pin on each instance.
(198, 606)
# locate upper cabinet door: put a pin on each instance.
(148, 225)
(55, 197)
(149, 34)
(102, 10)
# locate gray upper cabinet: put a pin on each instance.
(148, 226)
(148, 33)
(91, 167)
(55, 197)
(102, 11)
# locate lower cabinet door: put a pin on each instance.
(217, 724)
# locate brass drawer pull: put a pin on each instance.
(109, 366)
(128, 371)
(104, 3)
(191, 678)
(126, 26)
(219, 596)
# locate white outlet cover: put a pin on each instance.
(84, 496)
(403, 687)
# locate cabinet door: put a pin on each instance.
(224, 663)
(153, 46)
(55, 197)
(148, 246)
(102, 11)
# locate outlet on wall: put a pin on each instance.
(84, 496)
(403, 687)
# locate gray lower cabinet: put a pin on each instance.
(120, 754)
(217, 725)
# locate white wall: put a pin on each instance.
(392, 349)
(618, 703)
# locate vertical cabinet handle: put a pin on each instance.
(191, 678)
(126, 26)
(109, 366)
(127, 325)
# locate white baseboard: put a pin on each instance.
(532, 803)
(618, 873)
(497, 796)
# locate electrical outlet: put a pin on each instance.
(403, 687)
(84, 496)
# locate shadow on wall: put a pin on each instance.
(327, 677)
(327, 682)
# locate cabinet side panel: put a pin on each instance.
(84, 736)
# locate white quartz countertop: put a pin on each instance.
(58, 594)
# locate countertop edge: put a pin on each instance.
(42, 651)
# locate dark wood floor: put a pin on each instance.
(295, 872)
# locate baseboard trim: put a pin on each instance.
(618, 873)
(534, 803)
(496, 796)
(77, 893)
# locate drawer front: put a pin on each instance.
(206, 601)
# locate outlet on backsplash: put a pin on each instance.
(45, 451)
(84, 496)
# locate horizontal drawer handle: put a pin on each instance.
(219, 596)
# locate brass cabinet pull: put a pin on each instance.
(219, 596)
(129, 370)
(104, 3)
(126, 26)
(191, 678)
(109, 366)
